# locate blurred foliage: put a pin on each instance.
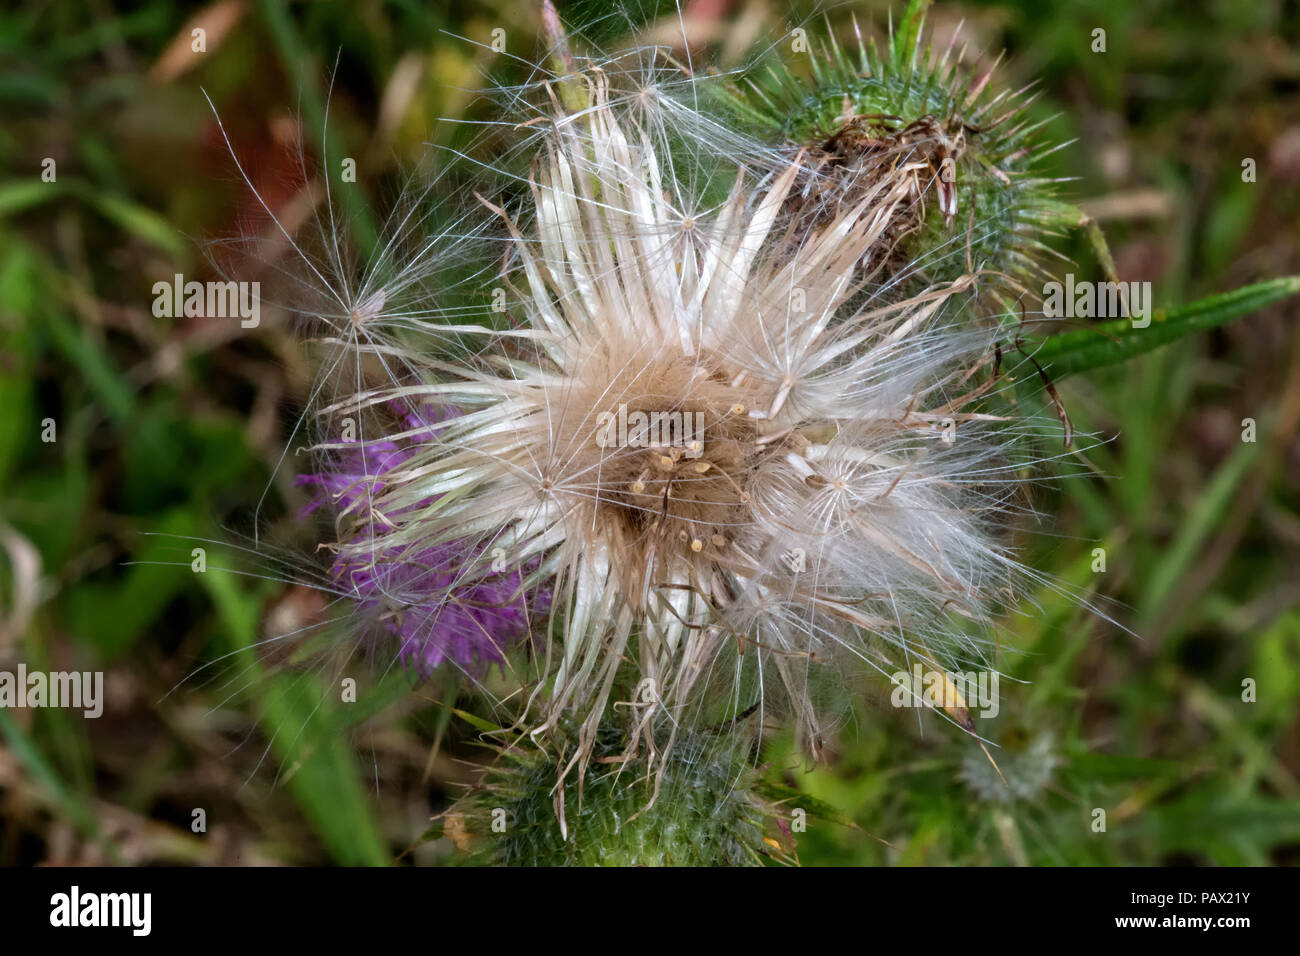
(169, 430)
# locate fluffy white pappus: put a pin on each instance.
(650, 79)
(374, 300)
(734, 465)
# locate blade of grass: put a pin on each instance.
(1118, 341)
(325, 777)
(1197, 528)
(72, 806)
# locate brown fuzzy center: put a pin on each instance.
(661, 455)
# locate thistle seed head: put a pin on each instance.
(712, 440)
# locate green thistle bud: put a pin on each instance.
(871, 122)
(692, 807)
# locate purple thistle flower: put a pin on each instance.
(437, 601)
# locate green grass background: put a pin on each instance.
(175, 425)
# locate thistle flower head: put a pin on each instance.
(712, 440)
(422, 594)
